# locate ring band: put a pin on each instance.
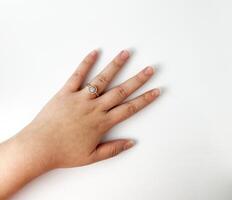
(92, 89)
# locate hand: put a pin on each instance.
(69, 129)
(75, 121)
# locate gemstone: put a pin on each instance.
(92, 89)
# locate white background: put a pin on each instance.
(184, 140)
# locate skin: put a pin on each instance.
(69, 129)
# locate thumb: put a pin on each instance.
(112, 148)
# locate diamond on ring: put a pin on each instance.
(92, 89)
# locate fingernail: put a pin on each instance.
(124, 54)
(155, 92)
(94, 52)
(148, 71)
(129, 144)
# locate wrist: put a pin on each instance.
(23, 158)
(35, 148)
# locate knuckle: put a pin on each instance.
(109, 120)
(140, 79)
(146, 98)
(121, 92)
(116, 63)
(114, 151)
(102, 79)
(78, 75)
(131, 109)
(104, 125)
(87, 61)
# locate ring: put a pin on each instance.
(92, 89)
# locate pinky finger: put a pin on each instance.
(131, 107)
